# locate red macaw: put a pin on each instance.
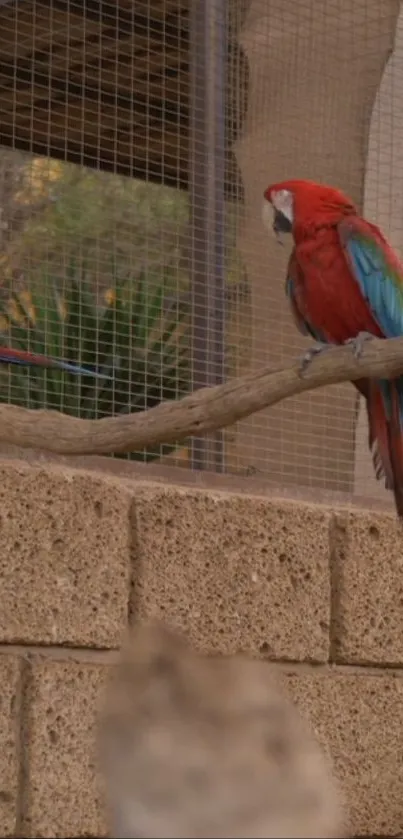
(27, 359)
(345, 284)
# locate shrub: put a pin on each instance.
(138, 343)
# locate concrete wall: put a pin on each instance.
(318, 590)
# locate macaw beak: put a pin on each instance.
(274, 220)
(281, 224)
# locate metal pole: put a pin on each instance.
(208, 46)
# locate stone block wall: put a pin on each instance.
(318, 590)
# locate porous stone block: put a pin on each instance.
(358, 718)
(235, 573)
(65, 557)
(367, 574)
(9, 729)
(63, 794)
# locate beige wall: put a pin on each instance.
(316, 589)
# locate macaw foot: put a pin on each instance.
(313, 351)
(358, 342)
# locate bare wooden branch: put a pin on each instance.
(205, 410)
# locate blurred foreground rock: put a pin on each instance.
(195, 746)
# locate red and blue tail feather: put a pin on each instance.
(385, 418)
(26, 359)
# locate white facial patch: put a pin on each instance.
(283, 202)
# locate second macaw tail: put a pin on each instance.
(26, 359)
(385, 418)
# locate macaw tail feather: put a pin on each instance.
(27, 359)
(385, 418)
(395, 428)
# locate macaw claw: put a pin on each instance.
(310, 354)
(358, 342)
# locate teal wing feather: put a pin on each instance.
(378, 272)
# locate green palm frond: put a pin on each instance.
(141, 350)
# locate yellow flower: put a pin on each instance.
(26, 300)
(110, 296)
(62, 309)
(14, 312)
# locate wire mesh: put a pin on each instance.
(136, 141)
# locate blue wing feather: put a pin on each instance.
(376, 270)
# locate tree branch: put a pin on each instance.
(205, 410)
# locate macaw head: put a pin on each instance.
(293, 204)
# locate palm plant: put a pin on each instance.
(139, 345)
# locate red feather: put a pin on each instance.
(9, 354)
(27, 359)
(327, 289)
